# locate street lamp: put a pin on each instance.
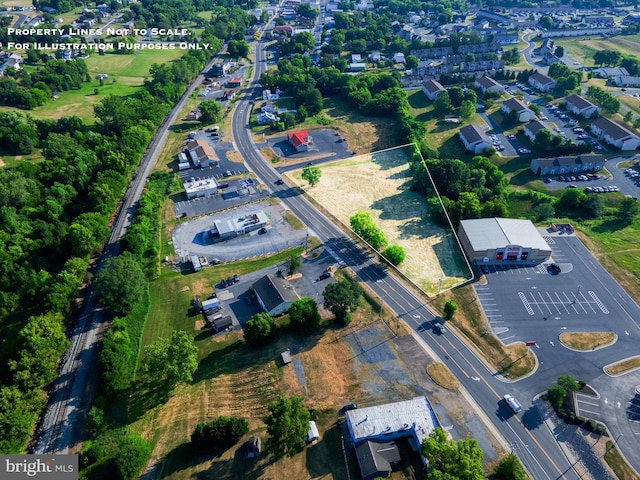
(575, 295)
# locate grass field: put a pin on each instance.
(380, 183)
(126, 77)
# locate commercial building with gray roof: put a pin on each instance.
(503, 240)
(275, 295)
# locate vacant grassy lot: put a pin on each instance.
(380, 184)
(583, 48)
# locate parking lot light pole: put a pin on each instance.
(575, 295)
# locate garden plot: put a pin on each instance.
(380, 183)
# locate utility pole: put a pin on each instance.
(575, 295)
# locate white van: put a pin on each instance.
(512, 403)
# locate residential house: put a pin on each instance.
(532, 128)
(375, 459)
(488, 84)
(268, 107)
(513, 104)
(474, 139)
(542, 82)
(266, 118)
(10, 59)
(562, 165)
(615, 134)
(300, 141)
(398, 58)
(432, 89)
(284, 29)
(581, 106)
(275, 295)
(375, 56)
(356, 58)
(608, 72)
(357, 67)
(625, 81)
(234, 82)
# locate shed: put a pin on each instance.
(222, 323)
(286, 356)
(312, 434)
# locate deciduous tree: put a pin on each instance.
(311, 174)
(303, 315)
(219, 434)
(120, 284)
(209, 112)
(448, 459)
(287, 424)
(341, 298)
(174, 361)
(395, 254)
(259, 329)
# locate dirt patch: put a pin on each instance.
(623, 366)
(380, 184)
(234, 156)
(268, 154)
(199, 325)
(2, 164)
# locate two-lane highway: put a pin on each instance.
(527, 435)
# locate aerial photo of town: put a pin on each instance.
(320, 239)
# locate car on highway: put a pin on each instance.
(279, 181)
(439, 328)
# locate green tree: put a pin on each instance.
(627, 211)
(467, 110)
(394, 254)
(293, 263)
(442, 104)
(569, 383)
(559, 51)
(509, 468)
(456, 95)
(174, 361)
(259, 329)
(210, 112)
(546, 22)
(448, 459)
(238, 48)
(304, 315)
(543, 139)
(133, 453)
(363, 225)
(450, 308)
(341, 298)
(411, 61)
(555, 396)
(543, 211)
(287, 425)
(219, 434)
(120, 284)
(311, 174)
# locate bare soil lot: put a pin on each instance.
(380, 183)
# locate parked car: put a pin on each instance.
(236, 279)
(324, 275)
(554, 268)
(524, 151)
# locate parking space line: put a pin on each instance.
(525, 302)
(590, 412)
(597, 404)
(562, 302)
(598, 302)
(543, 302)
(552, 302)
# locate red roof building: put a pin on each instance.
(300, 141)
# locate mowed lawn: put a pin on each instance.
(380, 183)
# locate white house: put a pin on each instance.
(432, 89)
(266, 118)
(375, 56)
(581, 106)
(541, 82)
(513, 104)
(398, 58)
(615, 134)
(474, 139)
(561, 165)
(488, 84)
(532, 128)
(274, 294)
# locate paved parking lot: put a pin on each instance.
(192, 237)
(530, 303)
(325, 141)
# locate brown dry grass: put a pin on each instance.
(587, 341)
(234, 156)
(624, 366)
(268, 154)
(440, 374)
(511, 361)
(379, 184)
(617, 463)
